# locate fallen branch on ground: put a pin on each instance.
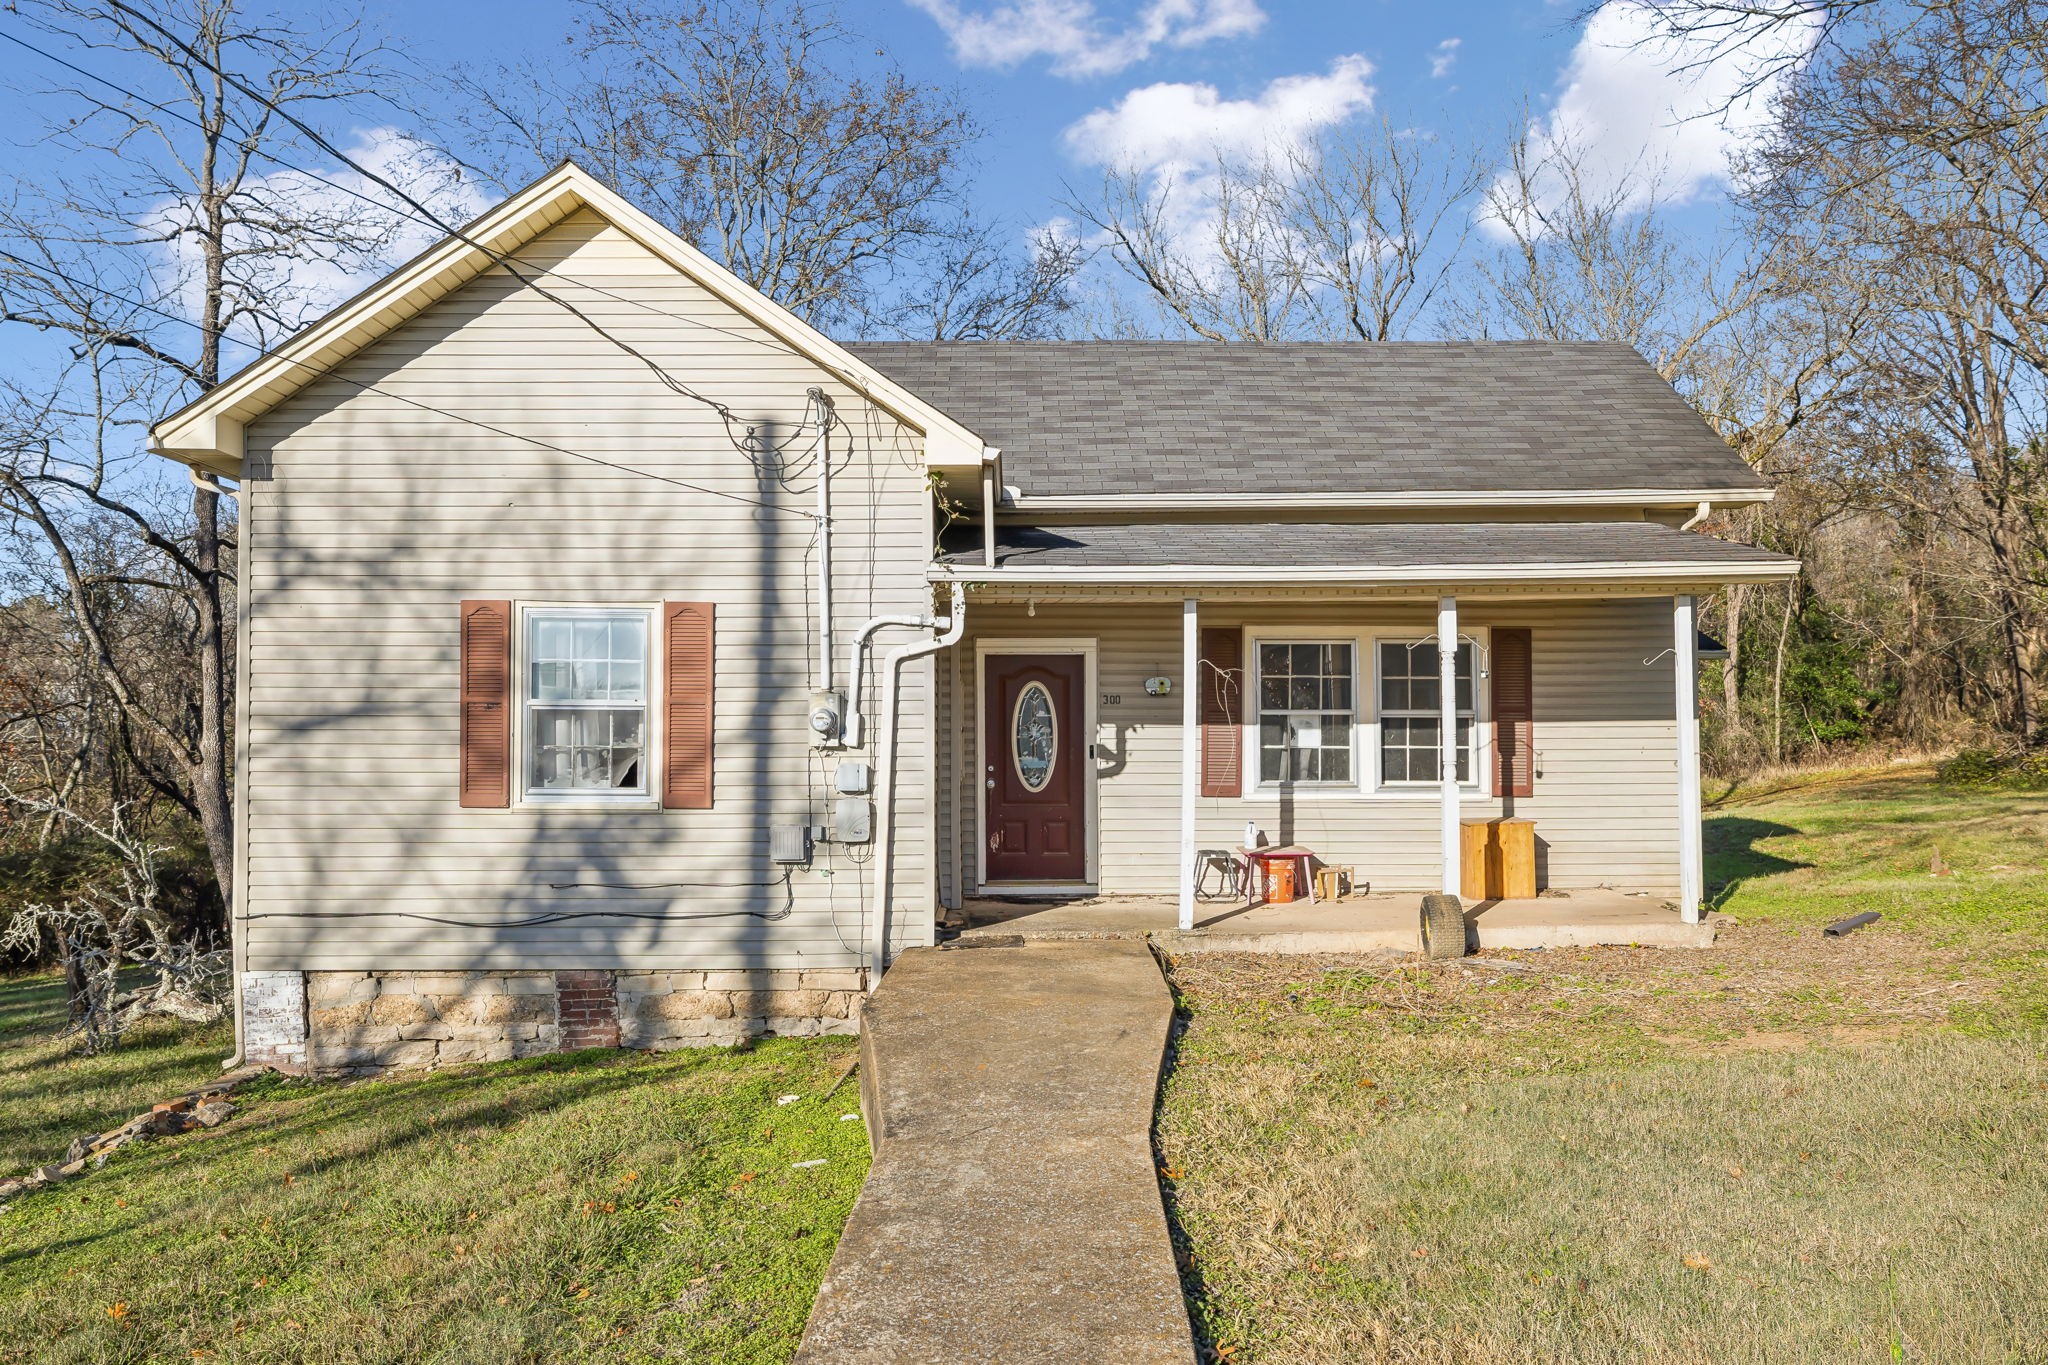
(205, 1107)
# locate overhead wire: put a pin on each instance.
(765, 457)
(367, 387)
(422, 214)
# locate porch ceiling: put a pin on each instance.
(1391, 553)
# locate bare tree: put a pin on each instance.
(1349, 236)
(118, 923)
(751, 128)
(1209, 250)
(167, 238)
(1584, 255)
(1910, 165)
(978, 289)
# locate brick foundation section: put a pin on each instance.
(589, 1010)
(361, 1022)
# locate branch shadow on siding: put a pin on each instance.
(353, 746)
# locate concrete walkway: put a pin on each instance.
(1013, 1211)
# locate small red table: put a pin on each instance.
(1263, 858)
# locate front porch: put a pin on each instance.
(1377, 921)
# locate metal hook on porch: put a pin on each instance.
(1658, 655)
(1481, 655)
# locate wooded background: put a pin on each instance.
(1871, 330)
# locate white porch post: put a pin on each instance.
(1684, 649)
(1190, 754)
(1447, 713)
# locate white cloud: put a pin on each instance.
(1181, 127)
(1170, 137)
(1443, 57)
(1078, 40)
(1644, 113)
(351, 242)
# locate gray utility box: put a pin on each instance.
(789, 843)
(852, 778)
(853, 820)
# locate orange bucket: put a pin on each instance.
(1280, 883)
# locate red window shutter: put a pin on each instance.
(1221, 679)
(1514, 713)
(485, 779)
(686, 705)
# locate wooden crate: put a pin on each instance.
(1498, 859)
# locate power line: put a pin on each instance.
(274, 159)
(427, 217)
(101, 289)
(434, 221)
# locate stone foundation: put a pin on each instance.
(661, 1010)
(355, 1022)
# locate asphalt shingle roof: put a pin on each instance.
(1371, 545)
(1112, 417)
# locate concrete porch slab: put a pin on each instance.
(1357, 924)
(1013, 1211)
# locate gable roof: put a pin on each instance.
(208, 431)
(1083, 422)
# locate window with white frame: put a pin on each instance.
(586, 691)
(1410, 718)
(1307, 702)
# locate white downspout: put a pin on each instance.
(211, 483)
(1700, 514)
(855, 722)
(952, 625)
(821, 450)
(989, 493)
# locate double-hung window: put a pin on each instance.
(585, 703)
(1307, 701)
(1410, 718)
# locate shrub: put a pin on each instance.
(1982, 768)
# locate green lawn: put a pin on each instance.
(589, 1206)
(1789, 1148)
(49, 1094)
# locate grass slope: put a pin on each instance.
(50, 1095)
(590, 1206)
(1788, 1149)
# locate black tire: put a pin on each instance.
(1443, 927)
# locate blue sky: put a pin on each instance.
(1066, 86)
(1036, 69)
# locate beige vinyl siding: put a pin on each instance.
(372, 519)
(1606, 802)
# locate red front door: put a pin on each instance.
(1032, 777)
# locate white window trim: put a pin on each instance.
(523, 793)
(1254, 714)
(1365, 721)
(1480, 746)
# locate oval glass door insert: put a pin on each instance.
(1034, 737)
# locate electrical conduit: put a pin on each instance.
(951, 626)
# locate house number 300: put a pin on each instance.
(1112, 699)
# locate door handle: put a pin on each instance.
(991, 784)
